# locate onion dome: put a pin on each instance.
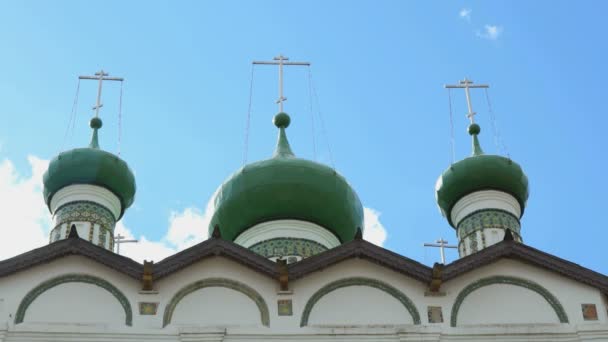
(285, 187)
(480, 172)
(93, 166)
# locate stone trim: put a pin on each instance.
(218, 282)
(73, 278)
(359, 281)
(280, 247)
(528, 284)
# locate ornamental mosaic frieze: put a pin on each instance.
(96, 220)
(87, 212)
(488, 218)
(282, 247)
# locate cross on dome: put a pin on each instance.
(281, 60)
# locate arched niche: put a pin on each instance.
(367, 287)
(528, 294)
(55, 285)
(218, 287)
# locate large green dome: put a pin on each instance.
(480, 172)
(286, 187)
(90, 165)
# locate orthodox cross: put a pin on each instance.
(441, 243)
(467, 84)
(280, 60)
(100, 76)
(119, 239)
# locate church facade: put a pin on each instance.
(286, 261)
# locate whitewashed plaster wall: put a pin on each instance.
(327, 320)
(14, 288)
(571, 294)
(76, 303)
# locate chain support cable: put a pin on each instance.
(248, 120)
(322, 121)
(72, 118)
(312, 116)
(120, 118)
(452, 140)
(498, 142)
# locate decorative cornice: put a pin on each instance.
(360, 281)
(67, 247)
(218, 282)
(363, 250)
(530, 285)
(529, 255)
(74, 278)
(211, 248)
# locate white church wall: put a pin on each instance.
(76, 303)
(15, 287)
(505, 304)
(569, 293)
(217, 268)
(358, 305)
(216, 306)
(331, 306)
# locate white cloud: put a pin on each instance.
(490, 32)
(374, 231)
(186, 228)
(25, 218)
(465, 14)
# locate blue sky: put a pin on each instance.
(378, 69)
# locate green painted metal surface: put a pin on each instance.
(286, 187)
(90, 166)
(480, 172)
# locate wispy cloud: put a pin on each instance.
(490, 32)
(465, 14)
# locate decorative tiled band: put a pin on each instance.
(73, 278)
(281, 247)
(488, 218)
(530, 285)
(85, 211)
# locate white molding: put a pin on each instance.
(485, 199)
(287, 229)
(87, 192)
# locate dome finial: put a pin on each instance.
(283, 149)
(95, 124)
(474, 130)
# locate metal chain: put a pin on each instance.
(323, 130)
(452, 140)
(72, 117)
(312, 116)
(120, 118)
(248, 121)
(498, 142)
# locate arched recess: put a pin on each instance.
(530, 285)
(218, 282)
(74, 278)
(360, 281)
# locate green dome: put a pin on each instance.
(480, 172)
(286, 187)
(90, 165)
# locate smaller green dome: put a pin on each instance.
(90, 165)
(480, 172)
